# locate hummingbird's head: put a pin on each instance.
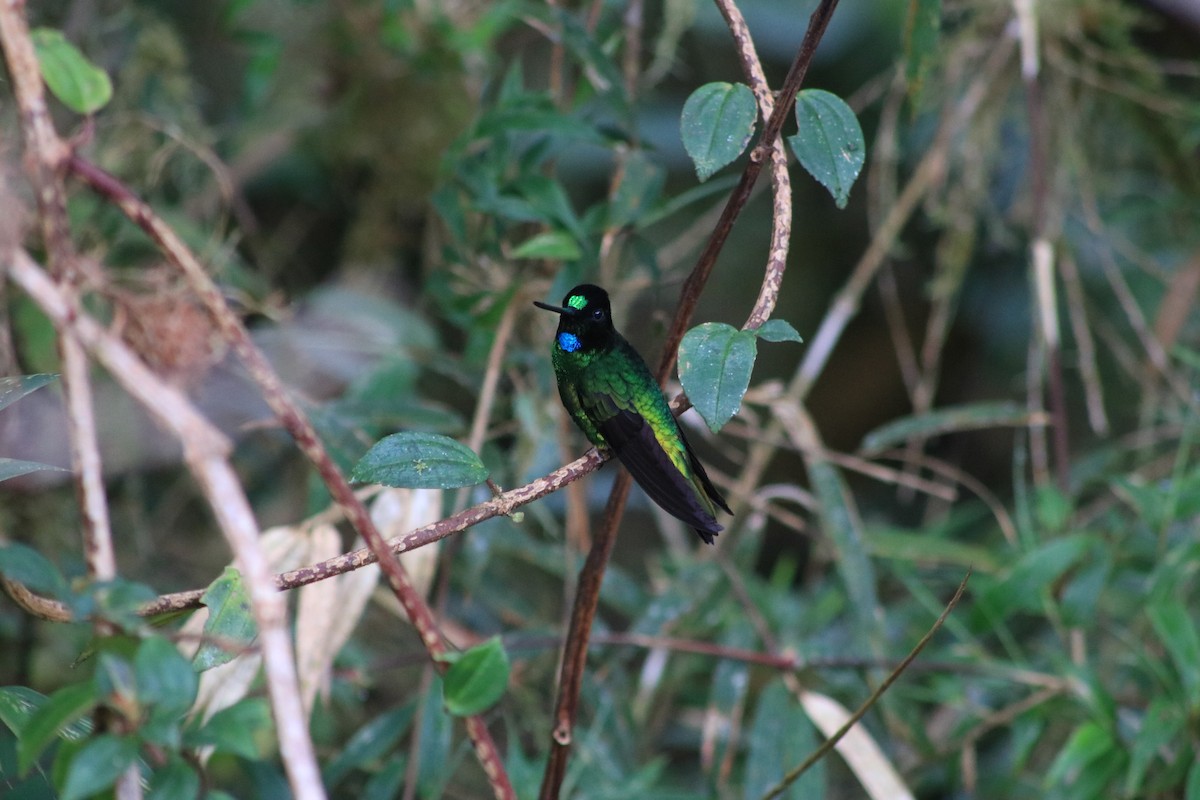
(585, 319)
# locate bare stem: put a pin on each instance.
(794, 774)
(781, 181)
(296, 422)
(206, 451)
(689, 295)
(44, 152)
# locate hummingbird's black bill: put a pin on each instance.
(555, 309)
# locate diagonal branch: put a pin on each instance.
(781, 212)
(44, 152)
(206, 451)
(296, 422)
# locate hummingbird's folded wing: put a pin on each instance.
(663, 475)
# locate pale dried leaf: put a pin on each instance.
(396, 512)
(316, 613)
(859, 750)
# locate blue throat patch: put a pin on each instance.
(569, 342)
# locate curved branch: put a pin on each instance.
(296, 422)
(690, 294)
(781, 213)
(206, 450)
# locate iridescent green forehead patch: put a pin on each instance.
(577, 301)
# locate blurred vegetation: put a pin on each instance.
(381, 188)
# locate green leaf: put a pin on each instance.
(476, 679)
(420, 461)
(17, 705)
(13, 389)
(919, 547)
(230, 620)
(368, 744)
(236, 730)
(715, 364)
(435, 765)
(641, 184)
(829, 142)
(922, 26)
(176, 780)
(1022, 588)
(1175, 627)
(840, 522)
(14, 468)
(27, 566)
(78, 83)
(1191, 789)
(777, 330)
(973, 416)
(780, 738)
(98, 765)
(1161, 723)
(54, 718)
(717, 123)
(386, 782)
(1089, 743)
(164, 677)
(553, 245)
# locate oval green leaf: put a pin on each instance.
(78, 83)
(715, 363)
(164, 677)
(476, 679)
(238, 730)
(717, 123)
(778, 330)
(98, 765)
(230, 620)
(176, 779)
(829, 142)
(27, 566)
(420, 461)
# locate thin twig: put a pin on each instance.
(575, 651)
(501, 505)
(689, 295)
(1093, 392)
(925, 177)
(781, 182)
(794, 774)
(296, 422)
(44, 152)
(206, 451)
(1041, 250)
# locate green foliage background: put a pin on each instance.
(381, 187)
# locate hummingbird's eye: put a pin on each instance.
(598, 314)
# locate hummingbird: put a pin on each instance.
(611, 395)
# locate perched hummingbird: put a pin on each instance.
(609, 392)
